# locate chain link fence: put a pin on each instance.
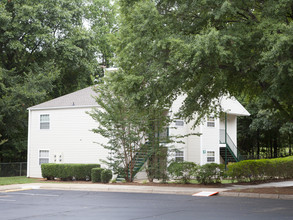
(13, 169)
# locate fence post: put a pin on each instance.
(20, 168)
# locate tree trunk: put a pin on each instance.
(257, 144)
(275, 147)
(290, 147)
(271, 147)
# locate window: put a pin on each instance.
(179, 123)
(163, 135)
(210, 156)
(211, 122)
(43, 156)
(179, 156)
(45, 121)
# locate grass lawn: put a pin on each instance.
(16, 180)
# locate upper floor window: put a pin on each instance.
(45, 121)
(179, 123)
(211, 122)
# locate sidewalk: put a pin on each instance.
(152, 189)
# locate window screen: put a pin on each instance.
(45, 121)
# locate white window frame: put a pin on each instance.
(43, 157)
(179, 156)
(44, 122)
(211, 156)
(211, 122)
(179, 123)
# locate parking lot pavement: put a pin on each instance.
(60, 204)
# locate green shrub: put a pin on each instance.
(48, 170)
(106, 176)
(210, 173)
(96, 175)
(183, 171)
(261, 170)
(68, 171)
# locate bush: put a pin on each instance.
(48, 170)
(261, 170)
(183, 171)
(210, 173)
(96, 175)
(68, 171)
(106, 176)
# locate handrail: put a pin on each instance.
(230, 144)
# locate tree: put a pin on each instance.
(2, 141)
(208, 48)
(101, 15)
(263, 134)
(125, 126)
(45, 52)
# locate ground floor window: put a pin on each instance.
(179, 156)
(43, 156)
(210, 156)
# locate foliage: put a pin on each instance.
(264, 134)
(2, 141)
(96, 175)
(261, 170)
(210, 173)
(208, 48)
(183, 171)
(101, 15)
(49, 171)
(106, 176)
(67, 171)
(45, 52)
(128, 128)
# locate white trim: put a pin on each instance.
(214, 156)
(201, 145)
(62, 107)
(28, 144)
(40, 122)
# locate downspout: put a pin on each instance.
(226, 140)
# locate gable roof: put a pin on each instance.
(80, 98)
(232, 106)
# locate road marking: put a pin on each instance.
(7, 200)
(16, 190)
(35, 194)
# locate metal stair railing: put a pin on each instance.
(139, 160)
(230, 145)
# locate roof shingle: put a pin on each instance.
(83, 97)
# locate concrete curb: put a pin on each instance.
(257, 195)
(138, 189)
(109, 188)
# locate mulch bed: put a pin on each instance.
(267, 190)
(143, 184)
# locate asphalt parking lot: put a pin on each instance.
(58, 204)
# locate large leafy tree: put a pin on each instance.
(207, 48)
(44, 52)
(102, 20)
